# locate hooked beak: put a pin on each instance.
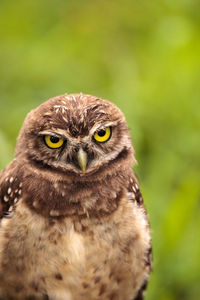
(82, 159)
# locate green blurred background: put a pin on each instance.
(145, 57)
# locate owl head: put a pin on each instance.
(77, 134)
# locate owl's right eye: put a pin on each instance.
(53, 142)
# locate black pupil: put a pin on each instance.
(54, 139)
(101, 132)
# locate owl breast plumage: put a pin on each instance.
(73, 221)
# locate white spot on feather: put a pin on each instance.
(60, 106)
(134, 189)
(10, 208)
(6, 199)
(35, 204)
(15, 200)
(54, 213)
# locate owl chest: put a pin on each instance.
(73, 260)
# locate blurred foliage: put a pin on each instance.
(144, 56)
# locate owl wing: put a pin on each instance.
(10, 189)
(135, 195)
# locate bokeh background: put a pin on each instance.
(145, 57)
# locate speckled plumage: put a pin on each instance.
(68, 233)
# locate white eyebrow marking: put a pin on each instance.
(102, 126)
(56, 132)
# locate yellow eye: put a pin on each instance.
(53, 142)
(103, 135)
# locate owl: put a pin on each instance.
(72, 219)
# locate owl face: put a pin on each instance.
(79, 134)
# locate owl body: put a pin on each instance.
(73, 222)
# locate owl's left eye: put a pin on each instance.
(103, 135)
(53, 142)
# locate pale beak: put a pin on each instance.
(82, 159)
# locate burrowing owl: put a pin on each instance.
(73, 222)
